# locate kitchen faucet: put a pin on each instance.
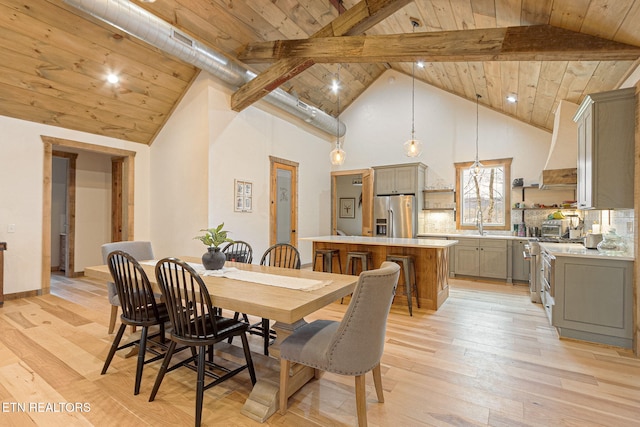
(479, 222)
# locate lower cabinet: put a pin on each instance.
(520, 267)
(594, 300)
(481, 258)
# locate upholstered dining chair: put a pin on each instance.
(139, 308)
(279, 255)
(352, 346)
(195, 324)
(141, 251)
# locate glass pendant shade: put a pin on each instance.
(337, 155)
(412, 148)
(475, 168)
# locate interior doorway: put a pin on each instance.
(283, 212)
(352, 186)
(122, 207)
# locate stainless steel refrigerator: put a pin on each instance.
(395, 216)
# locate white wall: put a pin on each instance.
(204, 147)
(379, 122)
(21, 167)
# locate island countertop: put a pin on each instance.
(578, 250)
(385, 241)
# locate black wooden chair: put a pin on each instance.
(141, 251)
(239, 251)
(195, 324)
(139, 308)
(279, 255)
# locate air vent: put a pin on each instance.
(302, 105)
(181, 38)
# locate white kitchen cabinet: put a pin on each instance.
(606, 127)
(400, 179)
(594, 300)
(481, 258)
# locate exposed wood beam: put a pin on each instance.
(356, 20)
(529, 43)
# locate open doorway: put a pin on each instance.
(120, 210)
(352, 190)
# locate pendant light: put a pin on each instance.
(476, 166)
(413, 147)
(337, 155)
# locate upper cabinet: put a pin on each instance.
(399, 179)
(606, 123)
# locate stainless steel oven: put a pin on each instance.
(532, 253)
(547, 285)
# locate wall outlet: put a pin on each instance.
(11, 228)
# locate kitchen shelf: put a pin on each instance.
(446, 198)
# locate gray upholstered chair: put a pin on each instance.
(141, 251)
(351, 347)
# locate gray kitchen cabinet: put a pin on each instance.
(594, 300)
(520, 267)
(606, 126)
(481, 258)
(400, 179)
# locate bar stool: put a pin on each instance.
(407, 264)
(327, 256)
(352, 261)
(353, 257)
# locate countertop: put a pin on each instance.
(384, 241)
(578, 250)
(471, 235)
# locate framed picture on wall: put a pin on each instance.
(243, 196)
(347, 207)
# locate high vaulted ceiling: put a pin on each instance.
(55, 57)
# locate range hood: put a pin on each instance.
(560, 170)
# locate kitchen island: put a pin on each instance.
(588, 294)
(431, 258)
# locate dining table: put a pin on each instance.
(280, 294)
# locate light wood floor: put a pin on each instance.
(487, 357)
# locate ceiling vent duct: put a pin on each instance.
(144, 25)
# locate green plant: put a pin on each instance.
(214, 237)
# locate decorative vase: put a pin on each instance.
(213, 259)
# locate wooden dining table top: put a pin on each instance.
(271, 302)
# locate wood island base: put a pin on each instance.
(431, 263)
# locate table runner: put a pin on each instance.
(257, 277)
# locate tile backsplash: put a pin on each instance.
(622, 220)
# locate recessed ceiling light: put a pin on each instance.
(112, 78)
(335, 86)
(512, 99)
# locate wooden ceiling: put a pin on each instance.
(55, 58)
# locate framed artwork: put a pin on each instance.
(243, 196)
(347, 207)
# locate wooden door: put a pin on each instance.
(284, 202)
(367, 202)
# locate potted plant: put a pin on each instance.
(213, 259)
